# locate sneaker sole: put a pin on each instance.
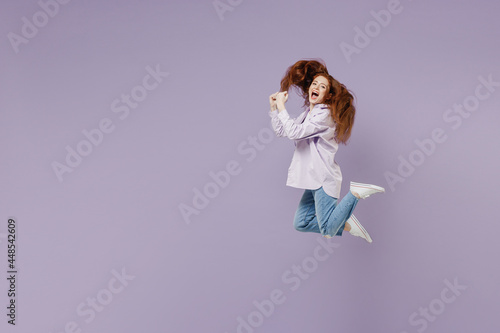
(368, 186)
(363, 230)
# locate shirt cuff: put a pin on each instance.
(283, 115)
(273, 114)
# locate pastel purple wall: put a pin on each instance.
(115, 115)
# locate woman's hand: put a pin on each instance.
(281, 99)
(272, 101)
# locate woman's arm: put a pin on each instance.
(276, 124)
(275, 121)
(316, 125)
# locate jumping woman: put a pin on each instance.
(317, 132)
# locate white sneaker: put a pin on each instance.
(357, 229)
(365, 190)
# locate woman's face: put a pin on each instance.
(318, 90)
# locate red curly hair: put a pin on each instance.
(339, 99)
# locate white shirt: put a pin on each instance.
(313, 163)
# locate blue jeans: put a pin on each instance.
(319, 212)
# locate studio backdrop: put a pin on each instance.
(143, 188)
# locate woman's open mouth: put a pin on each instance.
(314, 95)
